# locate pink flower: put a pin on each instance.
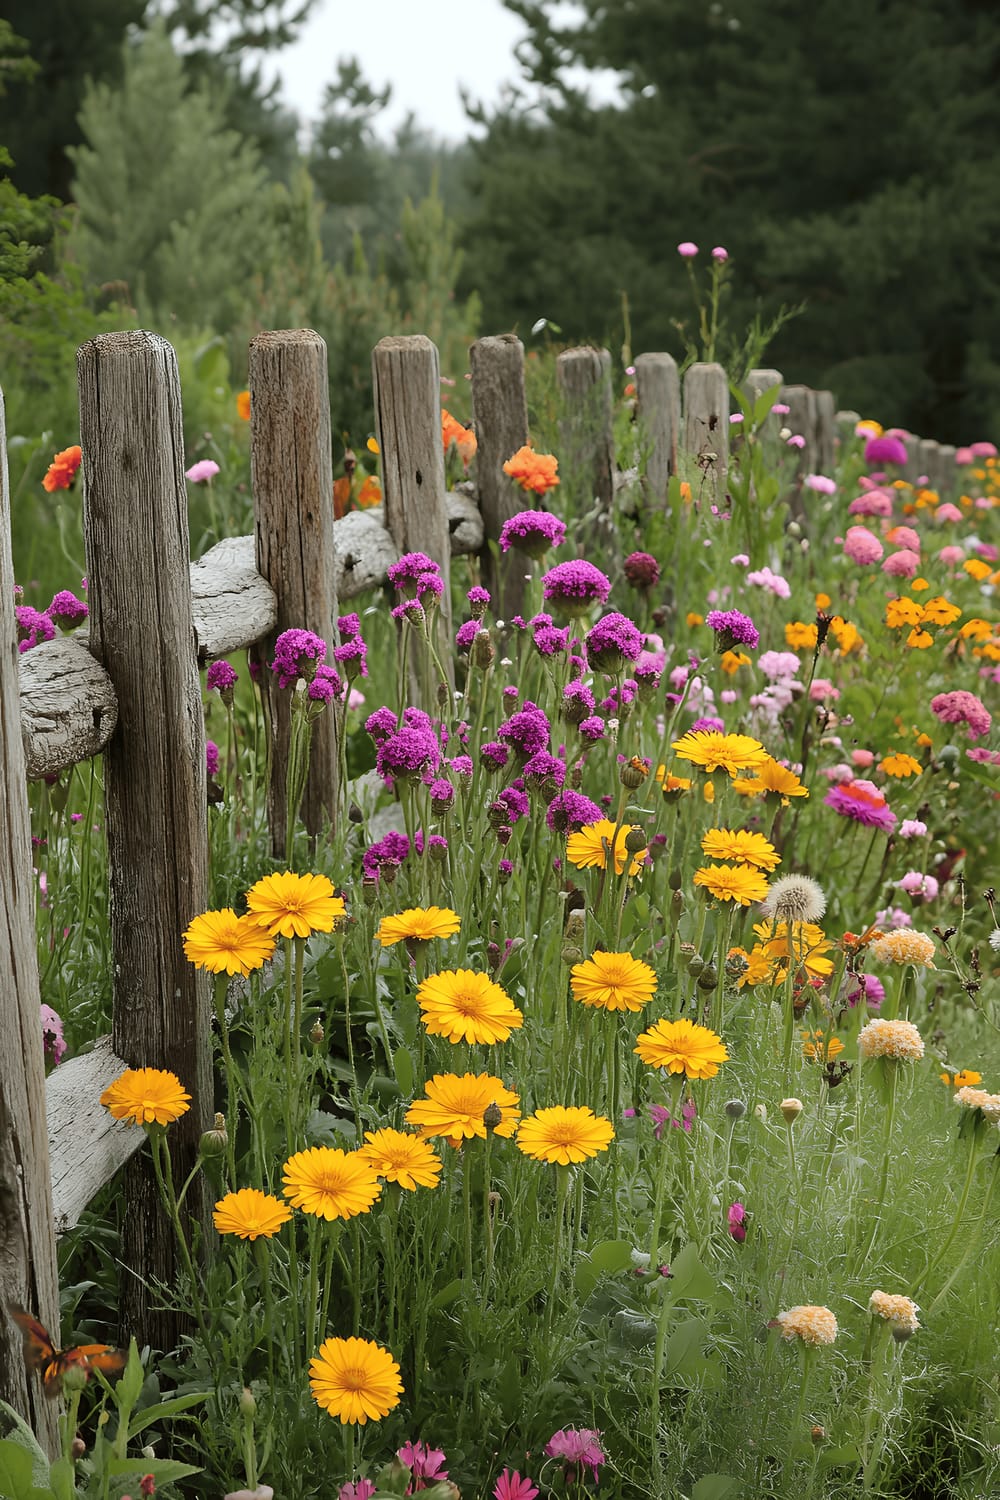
(983, 756)
(721, 254)
(740, 560)
(913, 828)
(961, 707)
(862, 546)
(821, 484)
(687, 249)
(985, 550)
(780, 409)
(424, 1464)
(514, 1486)
(978, 450)
(735, 418)
(902, 564)
(964, 456)
(821, 688)
(737, 1216)
(265, 1492)
(914, 883)
(358, 1489)
(904, 536)
(581, 1449)
(778, 664)
(796, 440)
(763, 578)
(951, 555)
(52, 1034)
(948, 512)
(862, 758)
(205, 468)
(887, 449)
(872, 503)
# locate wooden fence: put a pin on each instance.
(129, 690)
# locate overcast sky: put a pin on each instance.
(424, 48)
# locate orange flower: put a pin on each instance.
(800, 636)
(464, 438)
(686, 492)
(533, 471)
(370, 493)
(62, 469)
(243, 406)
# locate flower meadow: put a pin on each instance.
(608, 1104)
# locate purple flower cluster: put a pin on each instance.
(494, 755)
(33, 627)
(570, 811)
(533, 532)
(326, 685)
(479, 599)
(385, 856)
(526, 732)
(352, 655)
(642, 570)
(466, 634)
(211, 758)
(548, 639)
(732, 628)
(574, 586)
(221, 677)
(348, 626)
(407, 754)
(296, 654)
(381, 724)
(67, 610)
(412, 574)
(612, 642)
(578, 702)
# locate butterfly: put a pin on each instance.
(41, 1354)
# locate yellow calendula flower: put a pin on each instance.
(330, 1183)
(823, 601)
(459, 1108)
(899, 764)
(800, 635)
(742, 846)
(692, 619)
(773, 779)
(589, 848)
(682, 1047)
(739, 883)
(243, 406)
(147, 1096)
(803, 942)
(965, 1078)
(465, 1006)
(976, 630)
(847, 636)
(564, 1135)
(292, 906)
(224, 943)
(759, 966)
(250, 1214)
(418, 924)
(355, 1380)
(713, 751)
(977, 569)
(819, 1047)
(731, 661)
(613, 981)
(902, 612)
(940, 611)
(671, 783)
(401, 1157)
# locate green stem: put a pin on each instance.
(957, 1222)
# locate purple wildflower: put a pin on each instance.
(887, 449)
(578, 702)
(325, 686)
(388, 853)
(867, 987)
(591, 729)
(67, 610)
(33, 627)
(405, 755)
(411, 610)
(296, 653)
(348, 626)
(570, 811)
(494, 755)
(514, 804)
(466, 634)
(221, 677)
(462, 767)
(642, 570)
(574, 586)
(580, 1448)
(478, 598)
(612, 642)
(211, 757)
(533, 532)
(442, 796)
(353, 657)
(52, 1034)
(732, 628)
(862, 802)
(716, 726)
(527, 731)
(404, 574)
(381, 724)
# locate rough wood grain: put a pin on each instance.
(587, 450)
(706, 428)
(68, 706)
(948, 473)
(292, 475)
(233, 606)
(136, 535)
(86, 1146)
(801, 403)
(500, 413)
(826, 433)
(658, 409)
(929, 462)
(28, 1274)
(911, 468)
(406, 374)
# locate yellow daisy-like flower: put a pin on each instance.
(741, 846)
(941, 611)
(418, 924)
(355, 1380)
(222, 942)
(731, 661)
(894, 1039)
(588, 849)
(901, 1312)
(147, 1096)
(759, 966)
(977, 569)
(965, 1078)
(805, 943)
(467, 1007)
(671, 783)
(902, 612)
(821, 1048)
(682, 1047)
(904, 946)
(900, 764)
(800, 636)
(713, 751)
(564, 1135)
(847, 636)
(455, 1107)
(251, 1214)
(291, 906)
(400, 1157)
(693, 618)
(813, 1325)
(770, 778)
(739, 883)
(613, 981)
(330, 1183)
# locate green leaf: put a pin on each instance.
(685, 1346)
(15, 1428)
(446, 1294)
(402, 1066)
(837, 1458)
(171, 1408)
(128, 1387)
(715, 1487)
(62, 1478)
(16, 1477)
(690, 1280)
(762, 406)
(606, 1259)
(163, 1470)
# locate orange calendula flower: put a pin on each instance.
(686, 495)
(222, 942)
(401, 1157)
(418, 924)
(62, 470)
(147, 1096)
(919, 640)
(919, 585)
(976, 630)
(671, 783)
(243, 406)
(250, 1214)
(899, 764)
(369, 494)
(964, 1079)
(354, 1380)
(823, 601)
(452, 431)
(741, 845)
(800, 636)
(534, 472)
(465, 1006)
(564, 1135)
(693, 618)
(819, 1047)
(589, 848)
(330, 1183)
(847, 636)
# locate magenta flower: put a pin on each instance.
(862, 802)
(687, 249)
(965, 708)
(867, 987)
(221, 677)
(407, 754)
(424, 1464)
(205, 468)
(67, 610)
(358, 1489)
(570, 811)
(574, 586)
(886, 449)
(642, 570)
(513, 1486)
(737, 1217)
(385, 856)
(211, 758)
(533, 532)
(612, 642)
(325, 686)
(821, 484)
(732, 628)
(33, 627)
(720, 253)
(526, 731)
(296, 654)
(52, 1034)
(580, 1448)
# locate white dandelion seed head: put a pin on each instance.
(794, 898)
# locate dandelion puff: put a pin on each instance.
(794, 898)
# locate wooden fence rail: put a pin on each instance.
(127, 687)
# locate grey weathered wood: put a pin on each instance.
(826, 433)
(761, 380)
(466, 531)
(658, 408)
(801, 419)
(233, 605)
(292, 474)
(929, 462)
(68, 705)
(706, 428)
(407, 379)
(500, 412)
(587, 449)
(365, 551)
(136, 535)
(86, 1146)
(847, 420)
(912, 466)
(947, 453)
(28, 1274)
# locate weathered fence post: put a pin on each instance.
(291, 466)
(757, 382)
(500, 410)
(587, 446)
(826, 432)
(912, 466)
(706, 427)
(658, 407)
(801, 403)
(946, 455)
(28, 1274)
(136, 534)
(407, 378)
(929, 462)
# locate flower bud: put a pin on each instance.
(482, 654)
(571, 955)
(634, 772)
(708, 978)
(443, 694)
(901, 1332)
(818, 1435)
(354, 814)
(949, 756)
(574, 929)
(215, 1141)
(77, 1448)
(735, 1109)
(760, 1113)
(316, 1033)
(369, 890)
(635, 840)
(791, 1109)
(492, 1116)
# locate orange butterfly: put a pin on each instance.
(41, 1354)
